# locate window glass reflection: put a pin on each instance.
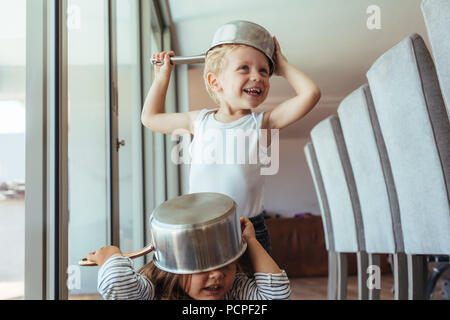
(130, 128)
(88, 149)
(12, 147)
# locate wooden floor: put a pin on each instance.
(315, 288)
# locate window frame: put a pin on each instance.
(46, 163)
(46, 213)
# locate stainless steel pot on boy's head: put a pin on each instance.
(237, 32)
(248, 33)
(196, 233)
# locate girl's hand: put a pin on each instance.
(101, 255)
(261, 260)
(165, 69)
(280, 60)
(248, 231)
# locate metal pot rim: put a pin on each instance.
(247, 43)
(185, 271)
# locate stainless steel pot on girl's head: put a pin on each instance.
(196, 233)
(237, 32)
(193, 233)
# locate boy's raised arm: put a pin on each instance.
(153, 116)
(308, 94)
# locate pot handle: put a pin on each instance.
(134, 254)
(181, 60)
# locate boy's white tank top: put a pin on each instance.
(226, 164)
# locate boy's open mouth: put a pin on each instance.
(253, 91)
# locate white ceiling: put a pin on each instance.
(327, 39)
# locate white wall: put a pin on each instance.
(291, 190)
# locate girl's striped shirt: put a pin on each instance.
(117, 280)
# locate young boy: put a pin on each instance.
(237, 78)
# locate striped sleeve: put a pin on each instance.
(117, 280)
(263, 286)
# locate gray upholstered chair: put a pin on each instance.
(436, 14)
(343, 202)
(415, 128)
(326, 220)
(375, 186)
(437, 20)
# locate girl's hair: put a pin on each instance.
(215, 62)
(169, 286)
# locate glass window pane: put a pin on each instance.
(130, 128)
(12, 147)
(88, 148)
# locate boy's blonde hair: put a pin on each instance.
(215, 62)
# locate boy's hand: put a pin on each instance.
(165, 69)
(280, 60)
(101, 255)
(248, 231)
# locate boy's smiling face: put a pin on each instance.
(243, 83)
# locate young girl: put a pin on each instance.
(237, 78)
(117, 279)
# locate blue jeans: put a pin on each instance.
(261, 231)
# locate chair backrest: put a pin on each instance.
(372, 172)
(436, 14)
(339, 185)
(311, 158)
(416, 131)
